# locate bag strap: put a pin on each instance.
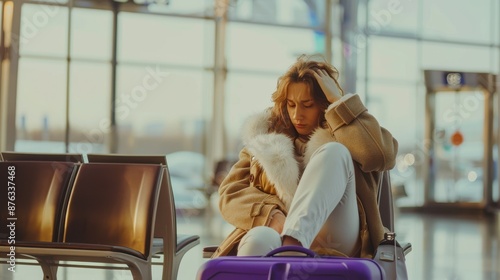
(384, 200)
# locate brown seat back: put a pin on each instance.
(166, 224)
(38, 197)
(114, 204)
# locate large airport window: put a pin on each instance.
(457, 57)
(44, 31)
(268, 48)
(164, 91)
(91, 34)
(41, 105)
(393, 60)
(397, 108)
(89, 106)
(189, 8)
(246, 94)
(159, 39)
(394, 106)
(161, 109)
(399, 17)
(466, 21)
(282, 12)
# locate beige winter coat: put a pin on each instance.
(266, 174)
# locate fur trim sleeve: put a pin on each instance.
(274, 152)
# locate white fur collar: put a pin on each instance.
(275, 153)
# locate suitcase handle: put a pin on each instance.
(292, 248)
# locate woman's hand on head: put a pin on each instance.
(328, 85)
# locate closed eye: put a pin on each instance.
(308, 104)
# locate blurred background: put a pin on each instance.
(179, 77)
(162, 77)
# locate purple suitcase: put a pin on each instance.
(276, 267)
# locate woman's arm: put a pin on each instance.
(371, 145)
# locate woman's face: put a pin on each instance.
(302, 109)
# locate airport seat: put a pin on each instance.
(386, 209)
(37, 191)
(109, 219)
(41, 185)
(23, 156)
(175, 245)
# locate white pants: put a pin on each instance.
(324, 210)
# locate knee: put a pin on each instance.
(259, 241)
(334, 150)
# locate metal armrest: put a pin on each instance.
(406, 247)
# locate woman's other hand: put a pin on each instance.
(277, 221)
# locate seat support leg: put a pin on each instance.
(140, 272)
(49, 268)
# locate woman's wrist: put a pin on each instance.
(276, 220)
(288, 240)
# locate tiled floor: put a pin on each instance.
(450, 247)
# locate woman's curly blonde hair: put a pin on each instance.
(300, 72)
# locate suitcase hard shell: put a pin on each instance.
(276, 267)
